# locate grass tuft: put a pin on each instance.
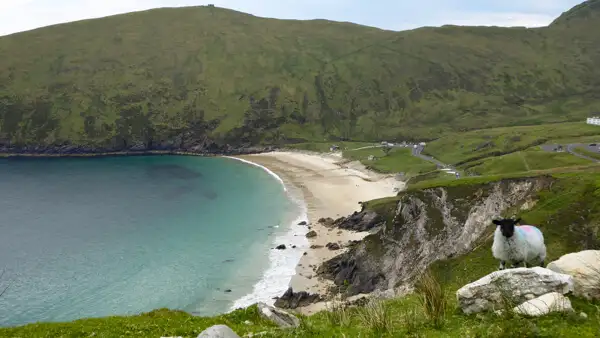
(433, 298)
(376, 316)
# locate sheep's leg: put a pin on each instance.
(542, 263)
(502, 265)
(517, 264)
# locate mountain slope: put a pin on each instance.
(200, 77)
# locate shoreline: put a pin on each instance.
(275, 279)
(329, 189)
(126, 153)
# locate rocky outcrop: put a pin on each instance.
(543, 305)
(292, 300)
(512, 286)
(425, 226)
(584, 267)
(218, 331)
(364, 220)
(277, 316)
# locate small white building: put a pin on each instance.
(595, 120)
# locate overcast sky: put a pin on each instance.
(20, 15)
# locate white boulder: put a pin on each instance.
(218, 331)
(584, 267)
(277, 316)
(511, 286)
(543, 305)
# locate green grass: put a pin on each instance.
(588, 153)
(481, 144)
(394, 318)
(580, 139)
(187, 77)
(522, 161)
(157, 323)
(397, 160)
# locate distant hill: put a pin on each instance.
(202, 77)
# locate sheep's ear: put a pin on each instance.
(497, 222)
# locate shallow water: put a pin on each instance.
(105, 236)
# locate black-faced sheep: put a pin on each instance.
(518, 244)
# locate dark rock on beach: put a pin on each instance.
(303, 223)
(280, 247)
(327, 221)
(333, 246)
(311, 234)
(292, 300)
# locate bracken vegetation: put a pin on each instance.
(199, 78)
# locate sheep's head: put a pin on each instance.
(507, 226)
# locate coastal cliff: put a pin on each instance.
(421, 227)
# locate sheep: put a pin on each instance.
(518, 244)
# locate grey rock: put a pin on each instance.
(515, 286)
(311, 234)
(280, 247)
(218, 331)
(292, 300)
(277, 316)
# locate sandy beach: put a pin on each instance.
(331, 187)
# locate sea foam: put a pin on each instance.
(282, 263)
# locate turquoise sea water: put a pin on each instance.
(124, 235)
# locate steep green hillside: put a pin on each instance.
(188, 77)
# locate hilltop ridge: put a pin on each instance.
(206, 79)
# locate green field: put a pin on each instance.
(586, 152)
(523, 161)
(471, 146)
(207, 78)
(396, 161)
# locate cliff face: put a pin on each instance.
(424, 226)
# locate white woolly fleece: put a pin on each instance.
(527, 245)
